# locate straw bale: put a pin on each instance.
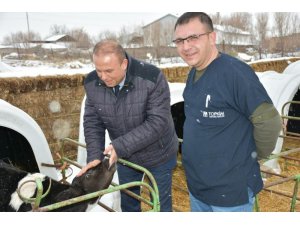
(276, 65)
(176, 74)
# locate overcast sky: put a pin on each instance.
(96, 16)
(92, 22)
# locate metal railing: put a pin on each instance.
(153, 189)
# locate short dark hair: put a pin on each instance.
(203, 18)
(109, 46)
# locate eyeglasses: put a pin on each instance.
(190, 39)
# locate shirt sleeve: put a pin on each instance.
(267, 125)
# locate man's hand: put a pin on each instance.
(88, 166)
(109, 150)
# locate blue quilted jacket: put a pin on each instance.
(138, 121)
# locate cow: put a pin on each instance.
(12, 178)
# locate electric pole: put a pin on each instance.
(28, 31)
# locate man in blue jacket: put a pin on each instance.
(230, 121)
(131, 100)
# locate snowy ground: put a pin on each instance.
(22, 68)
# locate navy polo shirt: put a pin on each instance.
(218, 142)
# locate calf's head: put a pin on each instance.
(96, 178)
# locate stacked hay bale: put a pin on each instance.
(53, 101)
(176, 74)
(275, 65)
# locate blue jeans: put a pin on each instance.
(163, 177)
(199, 206)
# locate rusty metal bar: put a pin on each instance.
(272, 173)
(289, 137)
(292, 133)
(290, 158)
(280, 193)
(274, 156)
(283, 180)
(105, 207)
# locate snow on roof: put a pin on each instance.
(56, 37)
(230, 29)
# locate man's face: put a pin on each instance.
(194, 43)
(110, 69)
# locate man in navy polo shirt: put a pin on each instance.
(230, 121)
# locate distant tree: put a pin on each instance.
(241, 20)
(58, 29)
(107, 34)
(216, 18)
(281, 28)
(82, 38)
(130, 35)
(124, 36)
(294, 42)
(261, 29)
(21, 40)
(295, 23)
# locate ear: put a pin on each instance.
(124, 64)
(213, 37)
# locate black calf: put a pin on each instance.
(95, 179)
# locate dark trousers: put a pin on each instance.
(163, 177)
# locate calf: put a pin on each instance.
(11, 178)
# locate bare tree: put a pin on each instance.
(107, 34)
(216, 18)
(82, 38)
(21, 41)
(261, 30)
(124, 36)
(128, 34)
(294, 39)
(241, 20)
(281, 28)
(295, 23)
(58, 29)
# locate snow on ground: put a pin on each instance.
(22, 68)
(5, 68)
(29, 68)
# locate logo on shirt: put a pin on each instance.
(212, 115)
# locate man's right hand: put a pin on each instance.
(88, 166)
